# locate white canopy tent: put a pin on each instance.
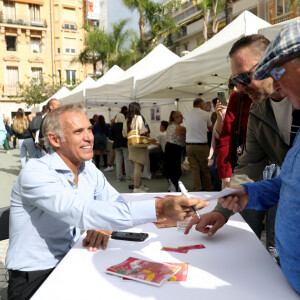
(92, 94)
(110, 76)
(77, 95)
(58, 95)
(202, 72)
(271, 31)
(122, 89)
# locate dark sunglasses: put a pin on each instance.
(243, 78)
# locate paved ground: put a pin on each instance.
(10, 167)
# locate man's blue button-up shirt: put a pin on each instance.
(46, 206)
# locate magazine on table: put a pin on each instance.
(181, 275)
(143, 270)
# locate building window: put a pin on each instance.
(9, 11)
(59, 77)
(36, 75)
(12, 79)
(70, 50)
(70, 26)
(34, 12)
(58, 50)
(35, 44)
(70, 45)
(70, 77)
(11, 43)
(282, 7)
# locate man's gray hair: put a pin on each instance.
(53, 124)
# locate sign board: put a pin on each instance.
(93, 9)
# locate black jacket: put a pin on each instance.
(116, 136)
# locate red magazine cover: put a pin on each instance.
(145, 271)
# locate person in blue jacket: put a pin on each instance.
(281, 61)
(2, 131)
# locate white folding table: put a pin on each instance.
(233, 265)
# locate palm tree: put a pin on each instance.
(141, 6)
(205, 6)
(119, 36)
(158, 16)
(97, 45)
(228, 11)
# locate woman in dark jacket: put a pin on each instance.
(120, 146)
(25, 139)
(101, 132)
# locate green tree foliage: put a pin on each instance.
(159, 18)
(140, 6)
(103, 49)
(36, 90)
(210, 7)
(120, 54)
(97, 47)
(162, 23)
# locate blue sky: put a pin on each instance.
(116, 10)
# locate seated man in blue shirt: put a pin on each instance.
(281, 61)
(62, 192)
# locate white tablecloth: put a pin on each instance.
(234, 265)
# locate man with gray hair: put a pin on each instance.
(281, 61)
(62, 192)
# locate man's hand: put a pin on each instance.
(213, 218)
(94, 238)
(178, 208)
(237, 201)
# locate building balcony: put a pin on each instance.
(283, 17)
(10, 90)
(22, 21)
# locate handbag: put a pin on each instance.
(135, 139)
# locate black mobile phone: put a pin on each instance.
(129, 236)
(222, 98)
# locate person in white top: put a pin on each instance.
(197, 122)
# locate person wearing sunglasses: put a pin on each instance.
(267, 139)
(281, 61)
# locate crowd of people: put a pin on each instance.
(252, 145)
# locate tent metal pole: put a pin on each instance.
(176, 103)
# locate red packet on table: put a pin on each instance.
(170, 249)
(165, 223)
(145, 271)
(191, 247)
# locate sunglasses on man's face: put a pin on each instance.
(243, 78)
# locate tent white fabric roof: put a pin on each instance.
(58, 95)
(122, 89)
(110, 76)
(78, 93)
(271, 31)
(202, 72)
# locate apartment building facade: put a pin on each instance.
(191, 21)
(41, 37)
